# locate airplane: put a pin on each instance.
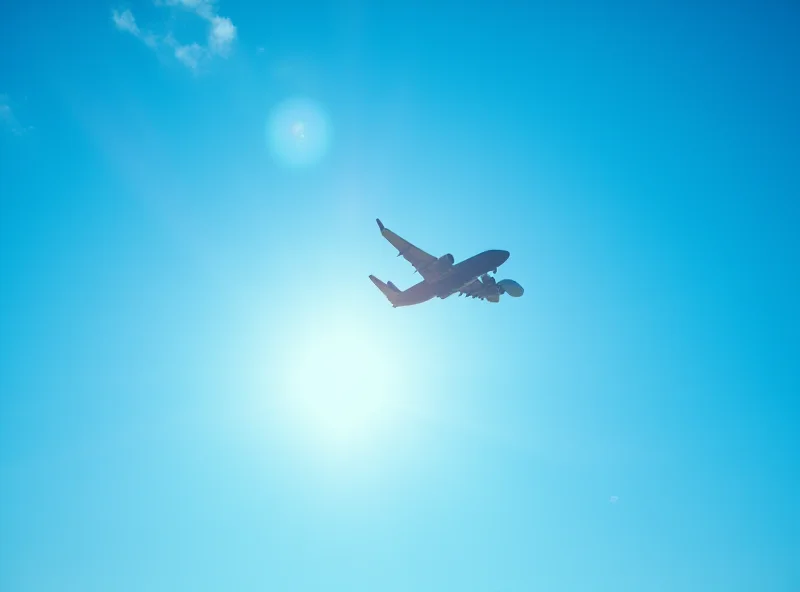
(442, 278)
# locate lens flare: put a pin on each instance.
(298, 132)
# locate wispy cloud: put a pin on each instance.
(125, 21)
(8, 119)
(204, 8)
(189, 55)
(221, 32)
(222, 35)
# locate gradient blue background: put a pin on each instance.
(639, 162)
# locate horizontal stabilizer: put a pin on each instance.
(390, 290)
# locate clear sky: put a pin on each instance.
(200, 389)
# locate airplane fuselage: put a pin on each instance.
(458, 276)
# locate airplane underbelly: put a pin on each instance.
(453, 284)
(418, 293)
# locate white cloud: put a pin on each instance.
(150, 40)
(6, 114)
(221, 35)
(204, 8)
(8, 119)
(189, 55)
(126, 22)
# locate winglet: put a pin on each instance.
(380, 224)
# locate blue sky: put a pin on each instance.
(200, 388)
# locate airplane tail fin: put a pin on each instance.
(389, 290)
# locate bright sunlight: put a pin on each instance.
(341, 389)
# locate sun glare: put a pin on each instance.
(340, 389)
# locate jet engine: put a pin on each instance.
(443, 263)
(510, 287)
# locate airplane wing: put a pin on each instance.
(421, 260)
(474, 289)
(477, 289)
